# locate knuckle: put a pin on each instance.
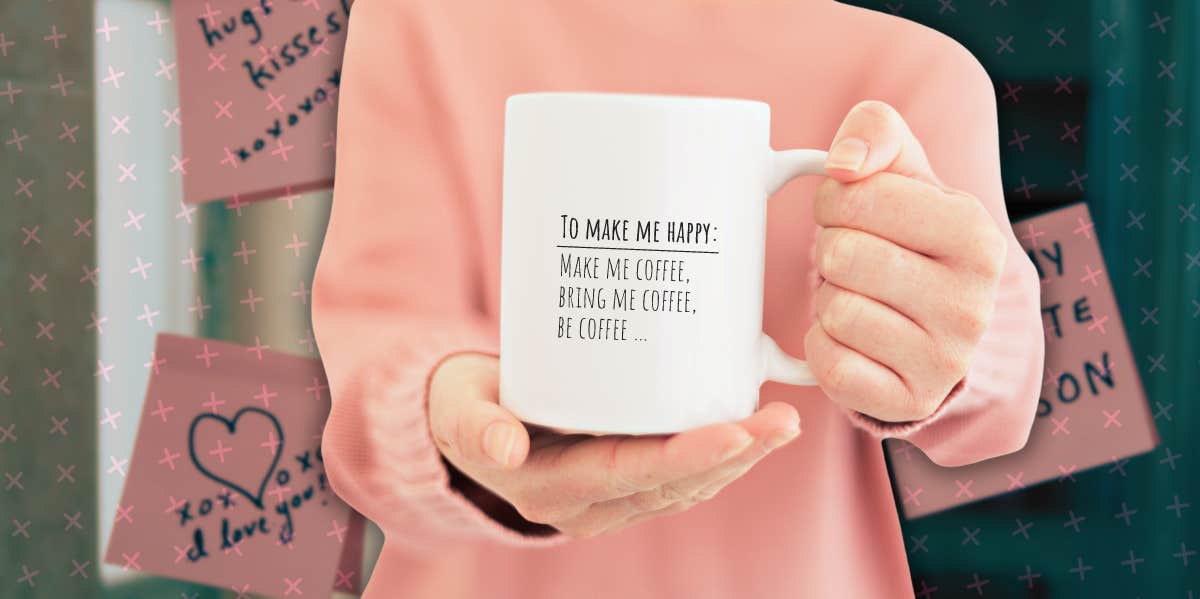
(920, 405)
(836, 375)
(842, 314)
(841, 249)
(875, 112)
(858, 200)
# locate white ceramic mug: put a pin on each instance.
(634, 233)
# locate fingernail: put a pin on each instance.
(498, 441)
(783, 437)
(849, 154)
(734, 450)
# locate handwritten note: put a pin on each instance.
(1093, 408)
(226, 484)
(258, 83)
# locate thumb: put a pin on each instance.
(874, 138)
(467, 422)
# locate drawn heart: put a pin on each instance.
(233, 475)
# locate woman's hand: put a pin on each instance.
(910, 268)
(586, 485)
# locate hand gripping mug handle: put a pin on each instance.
(786, 165)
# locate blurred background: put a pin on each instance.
(1097, 103)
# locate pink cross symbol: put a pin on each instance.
(1066, 472)
(1111, 418)
(104, 370)
(302, 293)
(288, 196)
(209, 13)
(131, 561)
(22, 528)
(141, 268)
(16, 139)
(107, 30)
(245, 253)
(186, 213)
(110, 418)
(266, 54)
(265, 396)
(157, 23)
(114, 77)
(913, 497)
(76, 180)
(68, 131)
(73, 521)
(1084, 227)
(154, 362)
(199, 308)
(330, 141)
(127, 172)
(14, 481)
(1070, 132)
(83, 227)
(243, 592)
(169, 458)
(207, 356)
(213, 403)
(174, 504)
(192, 259)
(23, 187)
(45, 330)
(220, 451)
(1060, 425)
(80, 569)
(60, 426)
(321, 48)
(31, 235)
(4, 381)
(308, 342)
(236, 204)
(61, 87)
(1098, 323)
(180, 166)
(296, 244)
(338, 531)
(281, 150)
(11, 92)
(54, 36)
(275, 102)
(7, 434)
(135, 221)
(28, 576)
(5, 45)
(65, 473)
(271, 444)
(258, 351)
(279, 492)
(165, 69)
(314, 4)
(224, 109)
(39, 283)
(343, 580)
(161, 411)
(51, 378)
(172, 118)
(317, 388)
(216, 62)
(292, 586)
(124, 514)
(1091, 275)
(251, 299)
(148, 315)
(180, 552)
(964, 489)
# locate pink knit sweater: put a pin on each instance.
(410, 273)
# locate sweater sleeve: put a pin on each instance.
(991, 411)
(397, 290)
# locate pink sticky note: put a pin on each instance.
(258, 83)
(226, 484)
(1093, 408)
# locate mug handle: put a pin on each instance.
(786, 165)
